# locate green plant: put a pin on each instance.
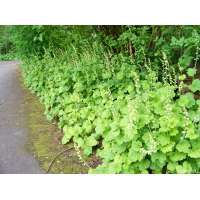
(7, 57)
(6, 46)
(129, 104)
(134, 124)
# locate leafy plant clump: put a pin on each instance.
(127, 94)
(133, 122)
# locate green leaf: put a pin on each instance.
(186, 168)
(158, 157)
(195, 153)
(66, 138)
(112, 135)
(136, 145)
(106, 154)
(87, 126)
(187, 100)
(87, 151)
(143, 165)
(174, 132)
(171, 167)
(80, 141)
(135, 153)
(195, 86)
(134, 156)
(168, 147)
(163, 139)
(183, 146)
(67, 134)
(191, 132)
(177, 43)
(185, 61)
(177, 156)
(191, 72)
(91, 141)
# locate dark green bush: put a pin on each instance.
(36, 40)
(6, 46)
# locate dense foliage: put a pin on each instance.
(6, 46)
(128, 94)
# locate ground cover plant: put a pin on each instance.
(127, 94)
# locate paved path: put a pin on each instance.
(13, 130)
